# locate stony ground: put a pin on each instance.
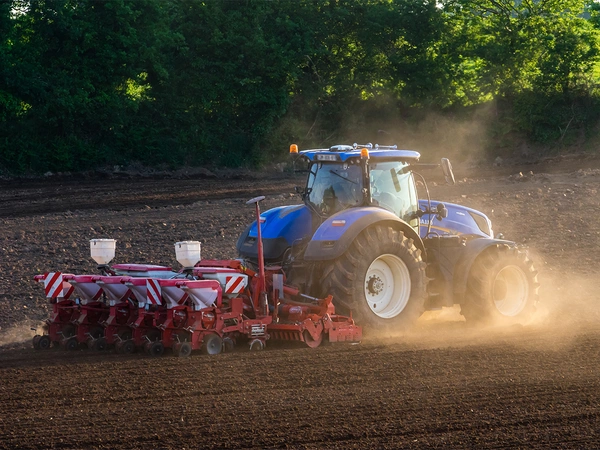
(445, 385)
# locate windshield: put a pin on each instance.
(393, 189)
(333, 187)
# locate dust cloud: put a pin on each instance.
(461, 138)
(436, 136)
(19, 333)
(568, 308)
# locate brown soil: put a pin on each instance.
(445, 385)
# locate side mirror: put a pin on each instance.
(299, 190)
(441, 211)
(448, 174)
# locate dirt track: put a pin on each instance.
(444, 385)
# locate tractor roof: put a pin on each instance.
(345, 152)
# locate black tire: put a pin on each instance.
(36, 340)
(502, 288)
(184, 350)
(99, 344)
(124, 336)
(212, 344)
(156, 349)
(71, 344)
(44, 342)
(361, 280)
(128, 346)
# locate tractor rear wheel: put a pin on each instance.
(380, 279)
(502, 288)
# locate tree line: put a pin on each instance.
(169, 83)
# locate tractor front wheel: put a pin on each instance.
(380, 279)
(502, 288)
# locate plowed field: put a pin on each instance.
(444, 385)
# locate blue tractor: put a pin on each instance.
(363, 235)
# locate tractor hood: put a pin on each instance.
(285, 226)
(460, 220)
(280, 228)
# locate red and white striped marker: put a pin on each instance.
(153, 292)
(53, 285)
(234, 284)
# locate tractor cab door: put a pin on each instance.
(333, 187)
(393, 188)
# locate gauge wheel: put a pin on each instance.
(156, 348)
(71, 344)
(212, 344)
(184, 350)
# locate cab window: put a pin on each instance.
(392, 187)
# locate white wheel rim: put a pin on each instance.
(387, 286)
(510, 291)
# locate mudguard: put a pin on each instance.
(337, 233)
(460, 220)
(473, 248)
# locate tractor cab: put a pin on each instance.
(344, 176)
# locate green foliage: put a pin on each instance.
(87, 83)
(68, 61)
